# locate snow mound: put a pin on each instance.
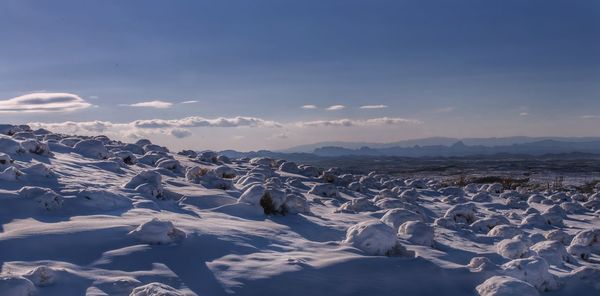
(126, 156)
(410, 195)
(553, 252)
(38, 169)
(16, 286)
(396, 217)
(512, 248)
(505, 286)
(35, 147)
(533, 270)
(374, 238)
(462, 213)
(46, 198)
(10, 146)
(92, 149)
(169, 164)
(296, 204)
(558, 235)
(324, 190)
(271, 200)
(225, 172)
(481, 264)
(486, 224)
(417, 232)
(481, 197)
(157, 231)
(10, 174)
(289, 167)
(504, 231)
(584, 243)
(147, 183)
(155, 289)
(357, 205)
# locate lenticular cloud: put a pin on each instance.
(43, 102)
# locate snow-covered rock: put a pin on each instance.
(553, 252)
(504, 231)
(584, 243)
(157, 231)
(155, 289)
(559, 236)
(126, 156)
(396, 217)
(505, 286)
(169, 164)
(486, 224)
(296, 204)
(91, 149)
(512, 248)
(147, 183)
(481, 197)
(533, 270)
(46, 198)
(10, 146)
(269, 199)
(357, 205)
(324, 190)
(462, 213)
(417, 232)
(10, 174)
(374, 238)
(224, 171)
(35, 147)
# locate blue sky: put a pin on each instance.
(439, 68)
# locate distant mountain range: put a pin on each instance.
(438, 147)
(434, 141)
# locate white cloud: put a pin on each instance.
(174, 127)
(381, 121)
(152, 104)
(189, 102)
(335, 107)
(308, 107)
(373, 107)
(523, 114)
(43, 102)
(196, 121)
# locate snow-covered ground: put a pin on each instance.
(92, 216)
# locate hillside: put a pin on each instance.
(95, 216)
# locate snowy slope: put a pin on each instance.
(91, 216)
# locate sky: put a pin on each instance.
(250, 75)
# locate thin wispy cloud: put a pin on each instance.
(158, 104)
(589, 116)
(381, 121)
(373, 107)
(189, 102)
(443, 110)
(43, 102)
(309, 107)
(523, 114)
(335, 107)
